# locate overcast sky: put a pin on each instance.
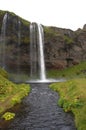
(61, 13)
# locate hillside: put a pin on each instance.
(63, 47)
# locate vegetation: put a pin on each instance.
(73, 98)
(25, 22)
(3, 73)
(68, 40)
(1, 17)
(71, 72)
(8, 116)
(51, 33)
(73, 93)
(13, 28)
(10, 93)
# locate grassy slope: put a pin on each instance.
(73, 93)
(72, 72)
(10, 93)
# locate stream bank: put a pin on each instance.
(39, 111)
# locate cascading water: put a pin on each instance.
(33, 52)
(37, 52)
(41, 53)
(3, 41)
(19, 53)
(38, 72)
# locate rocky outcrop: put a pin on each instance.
(62, 47)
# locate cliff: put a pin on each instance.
(62, 47)
(17, 40)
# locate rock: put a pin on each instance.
(84, 27)
(62, 47)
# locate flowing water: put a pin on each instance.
(37, 52)
(40, 111)
(3, 42)
(41, 53)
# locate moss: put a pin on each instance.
(51, 33)
(26, 40)
(68, 40)
(2, 13)
(12, 28)
(25, 22)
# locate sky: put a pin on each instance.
(60, 13)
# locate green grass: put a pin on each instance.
(73, 98)
(3, 73)
(10, 93)
(73, 92)
(72, 72)
(50, 32)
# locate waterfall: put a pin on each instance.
(33, 52)
(41, 52)
(3, 40)
(37, 62)
(19, 53)
(37, 52)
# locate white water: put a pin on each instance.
(46, 81)
(3, 40)
(19, 52)
(38, 71)
(41, 53)
(37, 52)
(33, 52)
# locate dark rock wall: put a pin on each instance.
(16, 49)
(62, 47)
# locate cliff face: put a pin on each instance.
(62, 47)
(17, 40)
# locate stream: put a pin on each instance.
(39, 111)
